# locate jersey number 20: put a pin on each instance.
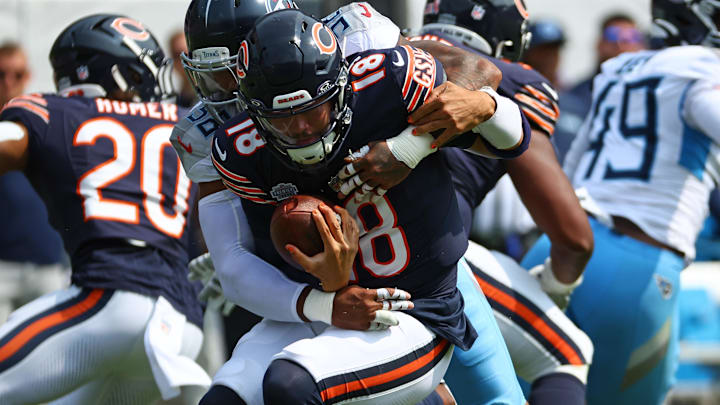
(90, 185)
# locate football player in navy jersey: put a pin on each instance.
(547, 349)
(303, 114)
(98, 153)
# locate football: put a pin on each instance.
(292, 223)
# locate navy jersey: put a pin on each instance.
(114, 190)
(410, 239)
(474, 176)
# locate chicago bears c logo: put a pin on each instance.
(130, 28)
(521, 8)
(328, 44)
(243, 60)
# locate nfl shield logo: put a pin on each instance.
(432, 7)
(82, 72)
(274, 5)
(478, 12)
(282, 191)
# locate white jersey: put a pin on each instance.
(357, 25)
(649, 148)
(192, 140)
(360, 27)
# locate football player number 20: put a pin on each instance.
(90, 185)
(378, 225)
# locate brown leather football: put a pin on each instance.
(292, 223)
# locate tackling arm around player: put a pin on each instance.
(191, 140)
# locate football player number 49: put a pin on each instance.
(90, 185)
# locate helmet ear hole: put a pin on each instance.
(134, 77)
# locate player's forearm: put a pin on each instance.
(463, 68)
(246, 280)
(551, 201)
(568, 262)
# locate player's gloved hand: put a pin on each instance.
(454, 109)
(361, 308)
(202, 269)
(558, 291)
(332, 266)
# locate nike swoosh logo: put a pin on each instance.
(400, 61)
(223, 155)
(187, 147)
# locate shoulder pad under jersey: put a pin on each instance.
(360, 27)
(191, 139)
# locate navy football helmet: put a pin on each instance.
(291, 68)
(213, 31)
(686, 22)
(494, 27)
(104, 53)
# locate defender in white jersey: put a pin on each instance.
(192, 135)
(644, 164)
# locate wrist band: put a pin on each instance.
(504, 129)
(410, 149)
(318, 306)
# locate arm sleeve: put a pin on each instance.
(246, 280)
(702, 108)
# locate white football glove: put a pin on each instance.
(558, 291)
(202, 269)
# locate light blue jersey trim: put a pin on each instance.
(695, 147)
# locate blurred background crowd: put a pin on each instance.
(570, 40)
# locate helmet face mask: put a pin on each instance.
(495, 27)
(214, 30)
(294, 85)
(110, 55)
(686, 22)
(214, 80)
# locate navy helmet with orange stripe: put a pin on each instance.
(494, 27)
(110, 55)
(214, 30)
(294, 85)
